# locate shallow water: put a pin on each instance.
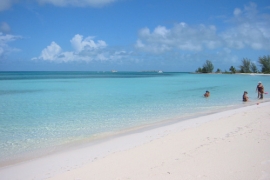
(44, 109)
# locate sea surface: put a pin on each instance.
(42, 110)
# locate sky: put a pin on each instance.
(131, 35)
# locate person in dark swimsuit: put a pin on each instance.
(207, 94)
(245, 97)
(260, 90)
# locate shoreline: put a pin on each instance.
(252, 74)
(106, 136)
(75, 158)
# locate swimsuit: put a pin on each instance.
(244, 98)
(260, 89)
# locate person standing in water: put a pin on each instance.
(207, 94)
(260, 90)
(245, 97)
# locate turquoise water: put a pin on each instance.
(44, 109)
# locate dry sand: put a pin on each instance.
(230, 145)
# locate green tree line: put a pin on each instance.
(246, 66)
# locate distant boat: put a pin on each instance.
(114, 71)
(160, 71)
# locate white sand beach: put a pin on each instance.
(233, 144)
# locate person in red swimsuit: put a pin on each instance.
(260, 90)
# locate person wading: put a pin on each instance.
(260, 90)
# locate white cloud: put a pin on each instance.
(181, 36)
(161, 31)
(4, 27)
(4, 40)
(51, 52)
(81, 44)
(237, 11)
(77, 3)
(6, 4)
(85, 49)
(251, 29)
(248, 29)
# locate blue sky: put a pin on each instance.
(131, 35)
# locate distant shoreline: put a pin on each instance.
(252, 74)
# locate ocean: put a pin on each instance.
(43, 110)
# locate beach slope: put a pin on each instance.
(233, 145)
